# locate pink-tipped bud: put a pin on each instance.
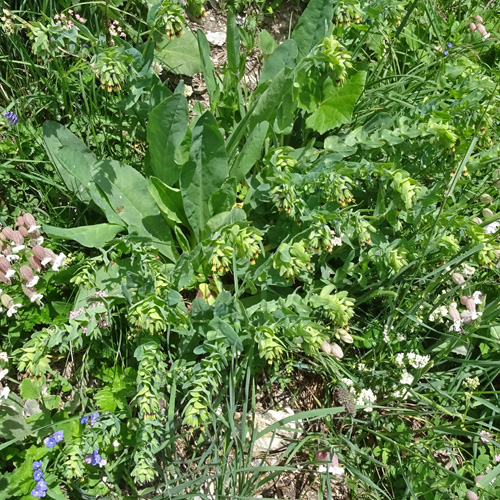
(479, 19)
(26, 273)
(481, 30)
(20, 221)
(8, 233)
(6, 250)
(472, 27)
(336, 351)
(478, 478)
(322, 456)
(470, 495)
(35, 263)
(29, 220)
(17, 238)
(23, 231)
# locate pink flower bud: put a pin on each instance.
(8, 233)
(7, 301)
(469, 302)
(39, 252)
(481, 30)
(472, 27)
(4, 265)
(23, 231)
(470, 495)
(478, 478)
(479, 19)
(4, 278)
(453, 312)
(29, 220)
(322, 456)
(26, 273)
(17, 238)
(336, 351)
(20, 221)
(35, 263)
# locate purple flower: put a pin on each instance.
(37, 464)
(49, 442)
(88, 459)
(11, 117)
(84, 420)
(42, 485)
(94, 418)
(37, 492)
(445, 52)
(450, 45)
(58, 436)
(37, 475)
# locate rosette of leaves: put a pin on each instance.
(111, 66)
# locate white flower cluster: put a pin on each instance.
(439, 314)
(467, 270)
(365, 397)
(415, 360)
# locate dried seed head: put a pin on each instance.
(8, 232)
(35, 263)
(7, 301)
(457, 278)
(23, 231)
(479, 19)
(486, 199)
(472, 27)
(26, 273)
(29, 220)
(17, 238)
(487, 213)
(470, 495)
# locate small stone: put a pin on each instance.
(217, 38)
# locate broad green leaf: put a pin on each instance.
(267, 44)
(208, 67)
(224, 198)
(313, 25)
(31, 388)
(221, 326)
(128, 193)
(95, 236)
(225, 219)
(232, 42)
(167, 126)
(180, 55)
(285, 56)
(169, 201)
(338, 107)
(75, 164)
(204, 173)
(251, 152)
(269, 101)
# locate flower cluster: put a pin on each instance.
(467, 316)
(101, 317)
(95, 458)
(111, 66)
(116, 30)
(171, 15)
(67, 22)
(415, 360)
(41, 488)
(479, 28)
(4, 390)
(7, 24)
(11, 118)
(333, 465)
(19, 259)
(323, 237)
(51, 441)
(364, 397)
(94, 418)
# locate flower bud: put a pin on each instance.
(27, 275)
(453, 312)
(472, 27)
(29, 220)
(4, 265)
(35, 263)
(17, 237)
(20, 221)
(8, 232)
(39, 252)
(325, 347)
(479, 19)
(457, 278)
(31, 293)
(477, 220)
(7, 301)
(496, 183)
(487, 213)
(4, 279)
(486, 199)
(470, 495)
(481, 30)
(478, 478)
(23, 231)
(336, 351)
(344, 336)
